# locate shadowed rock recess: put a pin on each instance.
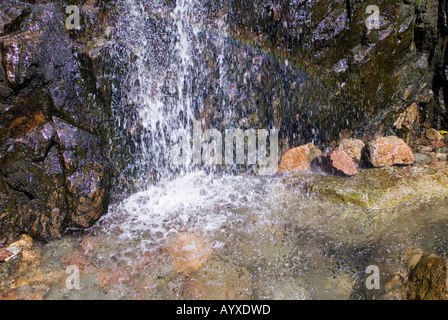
(312, 69)
(54, 111)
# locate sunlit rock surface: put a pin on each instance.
(337, 162)
(299, 158)
(383, 187)
(354, 148)
(388, 151)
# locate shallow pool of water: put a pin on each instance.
(247, 237)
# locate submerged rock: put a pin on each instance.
(382, 188)
(388, 151)
(336, 162)
(219, 280)
(188, 252)
(299, 158)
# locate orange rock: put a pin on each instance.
(387, 151)
(336, 162)
(188, 252)
(299, 158)
(438, 143)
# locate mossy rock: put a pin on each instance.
(382, 188)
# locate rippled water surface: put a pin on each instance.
(264, 238)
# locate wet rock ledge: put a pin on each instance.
(54, 168)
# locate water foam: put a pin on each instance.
(195, 202)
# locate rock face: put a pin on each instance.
(299, 159)
(344, 52)
(353, 147)
(387, 151)
(54, 167)
(336, 162)
(382, 188)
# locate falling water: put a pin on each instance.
(156, 86)
(162, 92)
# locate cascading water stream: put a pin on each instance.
(163, 86)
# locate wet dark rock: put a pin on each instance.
(367, 93)
(53, 123)
(421, 276)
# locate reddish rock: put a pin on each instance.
(299, 158)
(113, 277)
(337, 162)
(353, 147)
(438, 143)
(387, 151)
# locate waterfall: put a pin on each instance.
(164, 76)
(155, 85)
(178, 67)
